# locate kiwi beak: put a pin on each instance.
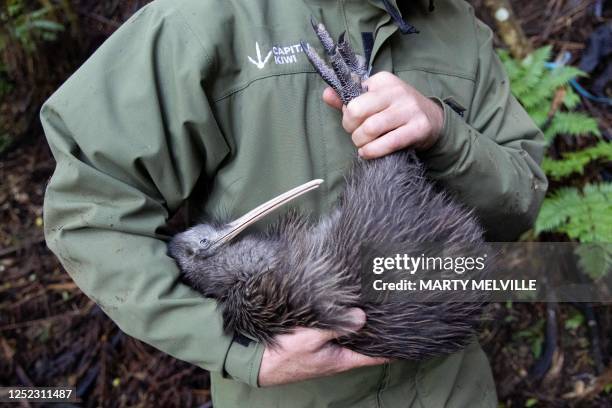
(237, 226)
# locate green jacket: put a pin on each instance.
(171, 110)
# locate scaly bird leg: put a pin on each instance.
(325, 38)
(348, 70)
(355, 62)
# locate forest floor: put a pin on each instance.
(51, 333)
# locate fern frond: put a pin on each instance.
(561, 76)
(540, 116)
(575, 162)
(572, 99)
(545, 90)
(572, 123)
(542, 95)
(552, 214)
(595, 259)
(535, 86)
(539, 57)
(512, 66)
(584, 216)
(532, 72)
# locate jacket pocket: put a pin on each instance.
(455, 90)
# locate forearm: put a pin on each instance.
(132, 134)
(104, 236)
(139, 291)
(502, 182)
(109, 247)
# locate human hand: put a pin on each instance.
(308, 353)
(391, 116)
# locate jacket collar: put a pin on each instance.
(392, 9)
(396, 15)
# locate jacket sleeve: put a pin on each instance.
(132, 132)
(490, 160)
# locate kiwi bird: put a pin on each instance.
(308, 273)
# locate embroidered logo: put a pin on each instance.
(259, 63)
(283, 55)
(287, 54)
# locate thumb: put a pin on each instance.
(354, 320)
(349, 359)
(331, 98)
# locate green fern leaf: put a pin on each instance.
(512, 67)
(562, 75)
(534, 70)
(535, 86)
(552, 215)
(586, 217)
(572, 123)
(540, 117)
(575, 162)
(572, 99)
(540, 97)
(545, 91)
(595, 259)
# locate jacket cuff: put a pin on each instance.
(454, 141)
(243, 361)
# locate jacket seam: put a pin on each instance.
(382, 385)
(344, 18)
(418, 398)
(477, 67)
(452, 388)
(251, 373)
(246, 84)
(438, 71)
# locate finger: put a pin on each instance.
(348, 359)
(362, 107)
(331, 98)
(384, 80)
(378, 125)
(307, 338)
(410, 135)
(296, 336)
(355, 319)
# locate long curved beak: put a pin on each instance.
(237, 226)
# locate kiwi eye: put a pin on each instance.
(205, 243)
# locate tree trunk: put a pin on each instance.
(510, 29)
